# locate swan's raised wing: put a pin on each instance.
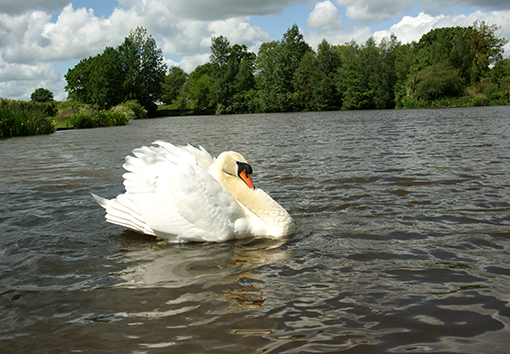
(177, 197)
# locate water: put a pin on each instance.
(402, 245)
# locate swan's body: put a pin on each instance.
(183, 194)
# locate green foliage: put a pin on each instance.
(136, 108)
(172, 86)
(498, 87)
(305, 81)
(128, 112)
(464, 101)
(88, 117)
(133, 71)
(435, 82)
(41, 95)
(143, 67)
(486, 47)
(232, 73)
(446, 65)
(19, 118)
(277, 65)
(367, 75)
(199, 90)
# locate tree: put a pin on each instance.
(41, 95)
(279, 63)
(265, 77)
(388, 49)
(232, 68)
(172, 86)
(405, 58)
(107, 78)
(487, 48)
(328, 60)
(97, 80)
(499, 83)
(79, 84)
(220, 51)
(199, 89)
(306, 82)
(434, 82)
(133, 71)
(356, 74)
(142, 64)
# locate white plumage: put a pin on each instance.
(183, 194)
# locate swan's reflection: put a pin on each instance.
(231, 265)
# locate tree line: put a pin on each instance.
(455, 64)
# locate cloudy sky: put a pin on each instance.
(41, 39)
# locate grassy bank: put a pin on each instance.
(172, 111)
(18, 118)
(465, 101)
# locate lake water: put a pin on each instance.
(402, 245)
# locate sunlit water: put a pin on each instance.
(402, 245)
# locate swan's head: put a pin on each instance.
(234, 164)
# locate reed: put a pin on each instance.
(18, 118)
(91, 118)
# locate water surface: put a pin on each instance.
(402, 244)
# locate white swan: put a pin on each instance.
(183, 194)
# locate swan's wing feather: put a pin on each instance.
(177, 197)
(122, 211)
(202, 157)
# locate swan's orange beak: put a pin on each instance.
(246, 178)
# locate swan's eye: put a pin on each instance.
(243, 171)
(242, 166)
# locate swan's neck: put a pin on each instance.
(260, 204)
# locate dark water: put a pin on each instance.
(402, 246)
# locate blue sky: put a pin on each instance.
(41, 39)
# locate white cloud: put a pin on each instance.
(325, 15)
(413, 28)
(16, 7)
(374, 10)
(238, 31)
(218, 9)
(359, 34)
(31, 44)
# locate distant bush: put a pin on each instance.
(464, 101)
(65, 110)
(88, 117)
(127, 111)
(18, 118)
(136, 107)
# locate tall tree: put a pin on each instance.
(199, 89)
(135, 70)
(233, 75)
(265, 78)
(172, 86)
(79, 85)
(328, 60)
(306, 82)
(107, 78)
(486, 46)
(280, 62)
(144, 68)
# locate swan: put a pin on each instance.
(181, 193)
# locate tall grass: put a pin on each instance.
(91, 118)
(19, 118)
(464, 101)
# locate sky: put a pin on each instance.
(41, 39)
